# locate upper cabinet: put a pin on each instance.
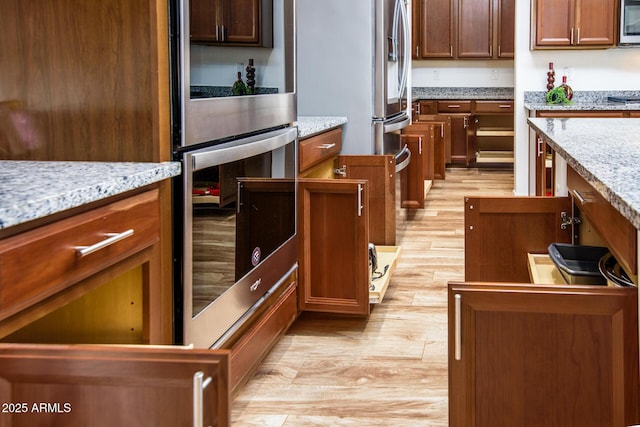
(239, 22)
(433, 29)
(463, 29)
(573, 24)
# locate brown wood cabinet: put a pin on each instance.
(524, 354)
(463, 29)
(433, 29)
(574, 24)
(344, 203)
(233, 22)
(426, 141)
(542, 355)
(113, 385)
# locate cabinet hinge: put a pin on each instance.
(342, 171)
(567, 220)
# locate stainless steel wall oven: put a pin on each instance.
(235, 203)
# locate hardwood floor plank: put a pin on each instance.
(389, 369)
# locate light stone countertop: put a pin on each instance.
(582, 101)
(313, 125)
(605, 152)
(461, 93)
(31, 190)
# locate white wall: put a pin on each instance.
(466, 73)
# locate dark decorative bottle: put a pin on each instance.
(251, 77)
(567, 88)
(551, 77)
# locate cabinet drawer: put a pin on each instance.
(115, 232)
(427, 108)
(318, 148)
(454, 106)
(620, 235)
(494, 106)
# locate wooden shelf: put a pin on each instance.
(205, 199)
(387, 256)
(494, 156)
(490, 131)
(543, 271)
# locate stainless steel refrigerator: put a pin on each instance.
(354, 60)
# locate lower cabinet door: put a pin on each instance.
(553, 356)
(106, 386)
(333, 245)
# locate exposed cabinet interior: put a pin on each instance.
(577, 24)
(494, 132)
(337, 198)
(524, 351)
(79, 259)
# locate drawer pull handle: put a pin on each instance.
(113, 238)
(453, 106)
(582, 199)
(326, 146)
(199, 384)
(504, 106)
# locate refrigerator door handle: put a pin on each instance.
(396, 125)
(407, 49)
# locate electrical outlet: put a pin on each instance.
(436, 75)
(494, 74)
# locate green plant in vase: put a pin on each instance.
(558, 95)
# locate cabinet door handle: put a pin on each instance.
(539, 147)
(571, 41)
(465, 122)
(441, 130)
(578, 38)
(199, 384)
(217, 32)
(113, 238)
(420, 145)
(326, 146)
(417, 51)
(222, 32)
(451, 51)
(360, 207)
(458, 327)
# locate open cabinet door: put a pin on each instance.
(500, 231)
(538, 355)
(106, 386)
(333, 240)
(380, 173)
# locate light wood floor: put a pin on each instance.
(390, 369)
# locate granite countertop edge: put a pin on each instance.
(596, 153)
(313, 125)
(31, 190)
(462, 93)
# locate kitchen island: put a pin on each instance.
(540, 347)
(604, 151)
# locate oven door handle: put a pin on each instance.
(241, 149)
